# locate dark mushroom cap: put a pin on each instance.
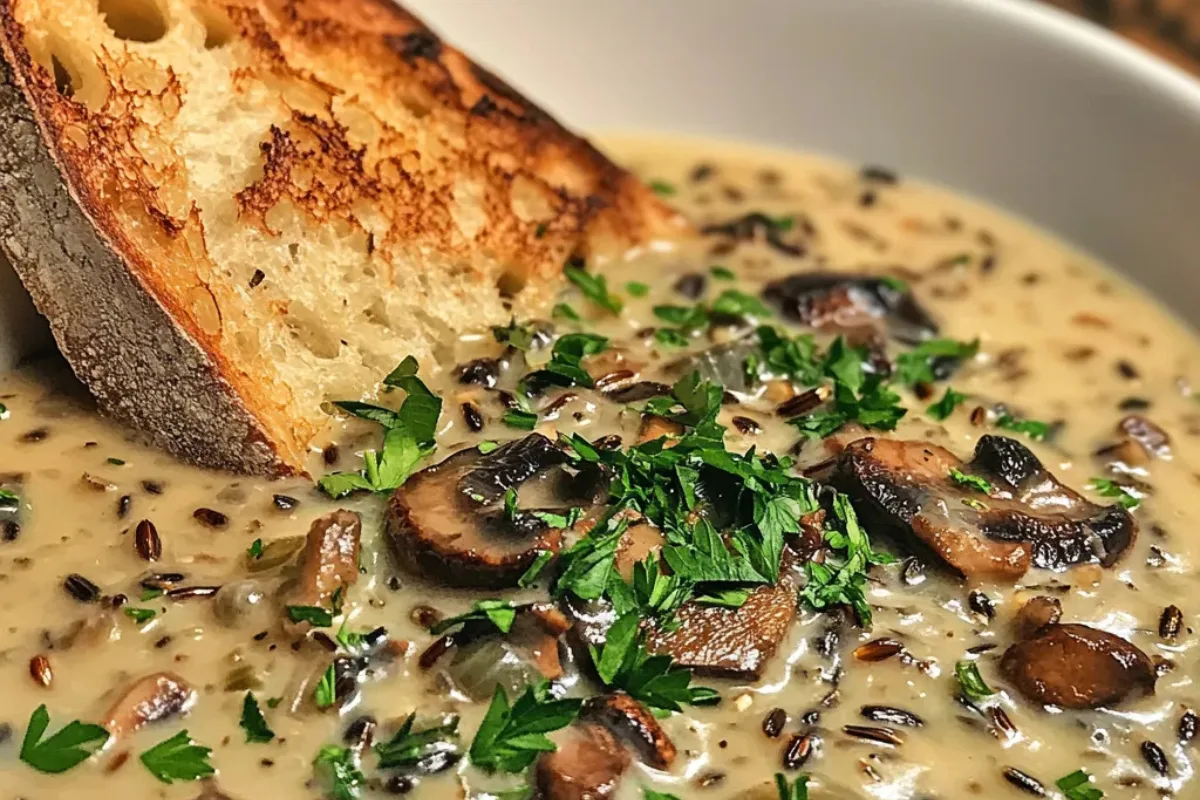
(830, 300)
(1077, 666)
(634, 724)
(587, 765)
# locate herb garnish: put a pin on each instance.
(970, 481)
(514, 335)
(1032, 428)
(943, 408)
(650, 794)
(339, 768)
(255, 550)
(314, 615)
(858, 396)
(178, 759)
(511, 737)
(722, 273)
(521, 420)
(325, 694)
(253, 721)
(9, 499)
(499, 613)
(140, 615)
(1077, 786)
(594, 288)
(408, 439)
(565, 367)
(917, 365)
(624, 663)
(662, 188)
(531, 574)
(565, 311)
(1125, 496)
(406, 749)
(637, 288)
(71, 745)
(972, 683)
(796, 791)
(840, 580)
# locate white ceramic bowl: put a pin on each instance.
(1007, 100)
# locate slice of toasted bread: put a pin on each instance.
(232, 211)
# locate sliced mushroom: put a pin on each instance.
(152, 699)
(1077, 666)
(1151, 438)
(329, 562)
(846, 303)
(588, 765)
(731, 643)
(1027, 516)
(1037, 613)
(445, 522)
(633, 724)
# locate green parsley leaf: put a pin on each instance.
(1077, 786)
(253, 722)
(178, 759)
(338, 768)
(500, 613)
(624, 663)
(970, 481)
(787, 357)
(4, 413)
(733, 303)
(314, 615)
(1124, 495)
(553, 519)
(486, 447)
(796, 791)
(650, 794)
(510, 737)
(565, 367)
(325, 693)
(722, 273)
(916, 366)
(150, 593)
(140, 615)
(841, 580)
(564, 311)
(1032, 428)
(588, 563)
(662, 188)
(9, 499)
(521, 420)
(518, 336)
(724, 598)
(73, 744)
(408, 749)
(670, 337)
(971, 682)
(530, 575)
(707, 559)
(637, 289)
(419, 413)
(594, 288)
(943, 408)
(685, 317)
(894, 283)
(255, 550)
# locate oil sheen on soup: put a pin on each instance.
(867, 488)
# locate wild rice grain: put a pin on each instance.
(211, 518)
(869, 733)
(40, 671)
(147, 541)
(1170, 623)
(1189, 724)
(1156, 758)
(774, 722)
(1025, 783)
(878, 650)
(81, 588)
(798, 750)
(892, 716)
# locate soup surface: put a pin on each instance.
(898, 668)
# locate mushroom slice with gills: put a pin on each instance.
(845, 303)
(1077, 666)
(1025, 517)
(151, 699)
(447, 523)
(329, 562)
(485, 658)
(633, 724)
(588, 765)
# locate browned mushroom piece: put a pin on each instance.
(588, 765)
(448, 524)
(1077, 666)
(329, 562)
(485, 658)
(151, 699)
(1026, 517)
(656, 427)
(633, 724)
(851, 303)
(1037, 613)
(735, 643)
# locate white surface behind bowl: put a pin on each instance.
(1006, 100)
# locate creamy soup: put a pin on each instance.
(864, 609)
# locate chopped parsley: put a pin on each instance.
(858, 396)
(943, 408)
(650, 794)
(624, 663)
(521, 420)
(408, 749)
(565, 367)
(514, 335)
(140, 615)
(795, 791)
(662, 188)
(338, 768)
(732, 303)
(637, 288)
(565, 311)
(918, 365)
(255, 550)
(722, 273)
(253, 722)
(150, 592)
(594, 288)
(1125, 496)
(842, 578)
(512, 736)
(973, 686)
(970, 481)
(8, 498)
(178, 759)
(1032, 428)
(314, 615)
(71, 745)
(499, 613)
(486, 447)
(531, 574)
(408, 438)
(4, 413)
(1078, 786)
(325, 694)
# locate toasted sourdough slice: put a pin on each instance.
(232, 211)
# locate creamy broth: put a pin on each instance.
(1062, 340)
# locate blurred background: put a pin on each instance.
(1170, 28)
